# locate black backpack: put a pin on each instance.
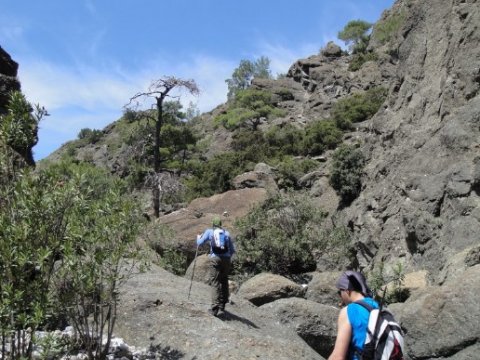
(384, 340)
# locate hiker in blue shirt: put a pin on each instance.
(221, 251)
(353, 318)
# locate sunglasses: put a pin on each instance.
(339, 292)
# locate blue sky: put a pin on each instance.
(84, 59)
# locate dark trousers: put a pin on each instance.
(219, 270)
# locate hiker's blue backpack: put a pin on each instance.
(219, 241)
(384, 339)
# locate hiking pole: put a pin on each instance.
(193, 272)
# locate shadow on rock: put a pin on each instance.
(228, 316)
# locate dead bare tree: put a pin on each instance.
(159, 90)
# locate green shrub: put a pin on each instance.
(284, 140)
(249, 109)
(278, 236)
(250, 143)
(19, 125)
(174, 261)
(215, 175)
(358, 107)
(346, 173)
(378, 283)
(290, 170)
(285, 94)
(355, 35)
(384, 30)
(361, 58)
(90, 136)
(64, 232)
(320, 136)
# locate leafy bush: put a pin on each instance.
(358, 107)
(245, 73)
(19, 126)
(215, 175)
(173, 260)
(290, 170)
(89, 135)
(385, 29)
(320, 136)
(284, 140)
(278, 236)
(355, 35)
(361, 58)
(250, 143)
(249, 109)
(378, 283)
(65, 228)
(346, 173)
(285, 94)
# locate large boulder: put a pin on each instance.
(154, 309)
(255, 179)
(322, 288)
(442, 321)
(264, 288)
(187, 222)
(315, 323)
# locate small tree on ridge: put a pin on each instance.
(159, 90)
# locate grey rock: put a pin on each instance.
(322, 288)
(255, 179)
(154, 310)
(430, 315)
(264, 288)
(332, 50)
(315, 323)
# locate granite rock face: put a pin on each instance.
(420, 197)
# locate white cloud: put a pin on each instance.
(84, 96)
(281, 58)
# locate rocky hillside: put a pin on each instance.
(420, 201)
(419, 204)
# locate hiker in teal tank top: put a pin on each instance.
(353, 318)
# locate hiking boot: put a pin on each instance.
(221, 313)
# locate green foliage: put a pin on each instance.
(346, 172)
(64, 233)
(278, 236)
(321, 135)
(358, 107)
(361, 58)
(285, 139)
(355, 35)
(249, 109)
(19, 126)
(290, 170)
(385, 29)
(173, 260)
(393, 293)
(160, 238)
(284, 94)
(244, 74)
(250, 146)
(90, 136)
(214, 176)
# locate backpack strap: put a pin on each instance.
(365, 305)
